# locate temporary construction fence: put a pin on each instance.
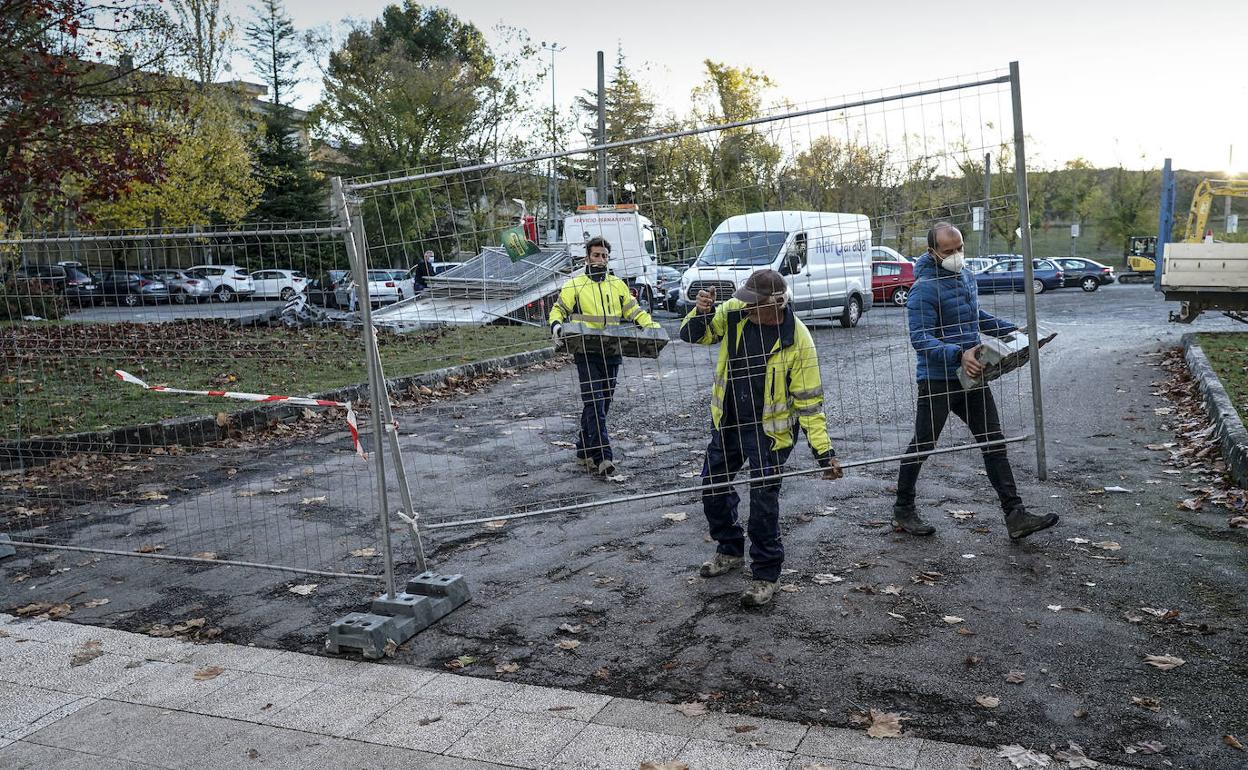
(741, 192)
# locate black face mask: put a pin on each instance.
(597, 272)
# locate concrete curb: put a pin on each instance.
(200, 430)
(1232, 436)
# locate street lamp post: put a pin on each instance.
(552, 224)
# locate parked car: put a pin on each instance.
(228, 281)
(885, 254)
(78, 287)
(383, 289)
(1007, 275)
(668, 278)
(182, 287)
(979, 264)
(891, 282)
(132, 288)
(283, 284)
(322, 289)
(1085, 273)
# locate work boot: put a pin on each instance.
(907, 519)
(606, 468)
(587, 463)
(1020, 523)
(758, 594)
(720, 564)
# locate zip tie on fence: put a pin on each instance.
(263, 398)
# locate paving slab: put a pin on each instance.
(24, 708)
(335, 710)
(522, 740)
(232, 656)
(297, 665)
(21, 755)
(425, 725)
(357, 755)
(750, 731)
(604, 747)
(457, 688)
(387, 676)
(568, 704)
(110, 639)
(651, 717)
(701, 754)
(274, 748)
(253, 698)
(173, 686)
(855, 746)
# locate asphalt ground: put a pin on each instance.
(625, 577)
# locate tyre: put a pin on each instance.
(645, 298)
(224, 293)
(899, 296)
(1038, 285)
(1089, 283)
(180, 298)
(287, 294)
(852, 313)
(132, 300)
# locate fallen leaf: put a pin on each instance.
(568, 644)
(1016, 677)
(1078, 540)
(964, 631)
(1238, 522)
(365, 553)
(896, 616)
(205, 555)
(1158, 612)
(223, 419)
(1164, 662)
(1146, 747)
(1054, 607)
(1119, 490)
(95, 602)
(1107, 545)
(426, 721)
(313, 500)
(676, 516)
(1191, 504)
(153, 494)
(1152, 704)
(571, 629)
(1023, 758)
(961, 515)
(952, 620)
(790, 588)
(1074, 757)
(988, 701)
(891, 590)
(884, 724)
(824, 579)
(496, 524)
(1080, 713)
(208, 672)
(304, 589)
(692, 709)
(603, 674)
(149, 548)
(744, 728)
(463, 661)
(1233, 742)
(507, 668)
(664, 766)
(279, 490)
(973, 660)
(88, 652)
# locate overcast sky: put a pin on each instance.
(1129, 81)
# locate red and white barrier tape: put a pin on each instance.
(352, 425)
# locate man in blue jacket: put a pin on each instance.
(945, 323)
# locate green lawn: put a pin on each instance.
(57, 378)
(1228, 353)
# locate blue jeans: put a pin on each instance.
(730, 449)
(597, 375)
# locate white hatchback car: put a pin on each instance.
(228, 281)
(383, 288)
(283, 284)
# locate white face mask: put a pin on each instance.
(954, 262)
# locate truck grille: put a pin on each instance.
(723, 289)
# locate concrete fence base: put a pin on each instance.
(1229, 429)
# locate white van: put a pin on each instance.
(632, 239)
(826, 259)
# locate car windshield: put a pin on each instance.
(74, 274)
(748, 248)
(379, 275)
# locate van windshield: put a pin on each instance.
(742, 248)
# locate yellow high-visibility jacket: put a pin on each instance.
(794, 391)
(598, 304)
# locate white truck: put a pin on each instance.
(633, 245)
(825, 258)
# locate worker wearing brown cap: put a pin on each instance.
(766, 386)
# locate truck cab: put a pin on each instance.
(634, 252)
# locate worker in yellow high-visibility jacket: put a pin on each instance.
(596, 299)
(766, 387)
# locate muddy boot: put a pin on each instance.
(606, 468)
(1020, 523)
(720, 564)
(906, 519)
(758, 594)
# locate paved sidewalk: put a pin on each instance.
(134, 701)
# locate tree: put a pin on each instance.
(1126, 202)
(832, 175)
(206, 36)
(291, 190)
(272, 45)
(629, 115)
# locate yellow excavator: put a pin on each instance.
(1141, 251)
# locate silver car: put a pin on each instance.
(183, 287)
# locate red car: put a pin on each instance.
(891, 282)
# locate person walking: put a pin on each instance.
(598, 300)
(945, 322)
(766, 386)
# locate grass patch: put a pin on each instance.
(1228, 354)
(57, 378)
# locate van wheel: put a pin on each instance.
(852, 313)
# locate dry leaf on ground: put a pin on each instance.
(149, 548)
(95, 602)
(1233, 742)
(603, 673)
(824, 579)
(366, 553)
(1074, 757)
(884, 724)
(1107, 545)
(676, 516)
(208, 672)
(1023, 758)
(790, 588)
(1016, 677)
(304, 589)
(891, 590)
(1164, 662)
(507, 668)
(313, 500)
(952, 620)
(1078, 540)
(1190, 504)
(463, 661)
(961, 515)
(152, 494)
(744, 728)
(664, 766)
(691, 709)
(568, 644)
(205, 555)
(988, 701)
(1238, 522)
(88, 652)
(1152, 704)
(1146, 747)
(571, 629)
(896, 616)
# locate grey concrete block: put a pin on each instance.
(385, 676)
(111, 640)
(49, 666)
(701, 753)
(23, 706)
(734, 728)
(426, 725)
(367, 756)
(20, 755)
(172, 686)
(253, 697)
(855, 746)
(273, 748)
(521, 740)
(335, 710)
(456, 688)
(650, 717)
(298, 665)
(603, 747)
(554, 702)
(232, 656)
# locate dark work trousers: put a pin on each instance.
(730, 449)
(976, 408)
(597, 373)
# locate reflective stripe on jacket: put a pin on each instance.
(793, 393)
(598, 303)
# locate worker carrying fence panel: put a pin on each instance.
(596, 300)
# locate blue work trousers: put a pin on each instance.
(597, 373)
